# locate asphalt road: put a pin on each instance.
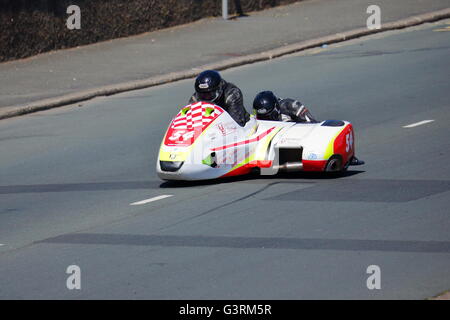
(68, 177)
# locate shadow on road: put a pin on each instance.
(155, 184)
(308, 176)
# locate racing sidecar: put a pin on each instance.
(204, 142)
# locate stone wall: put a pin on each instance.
(30, 27)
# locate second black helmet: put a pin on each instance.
(209, 86)
(266, 106)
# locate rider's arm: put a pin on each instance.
(300, 113)
(234, 102)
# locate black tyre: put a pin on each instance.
(334, 164)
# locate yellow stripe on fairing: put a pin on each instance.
(253, 130)
(330, 148)
(176, 156)
(261, 152)
(258, 152)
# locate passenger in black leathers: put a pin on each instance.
(210, 87)
(269, 107)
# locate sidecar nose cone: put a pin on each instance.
(170, 166)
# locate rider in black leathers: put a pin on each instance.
(210, 87)
(269, 107)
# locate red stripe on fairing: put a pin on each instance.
(262, 135)
(183, 124)
(246, 168)
(314, 165)
(340, 144)
(308, 165)
(261, 163)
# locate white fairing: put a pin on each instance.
(224, 131)
(312, 137)
(224, 146)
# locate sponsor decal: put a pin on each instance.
(222, 129)
(291, 140)
(227, 128)
(261, 111)
(312, 156)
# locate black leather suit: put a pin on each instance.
(232, 101)
(294, 110)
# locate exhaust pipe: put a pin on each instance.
(290, 166)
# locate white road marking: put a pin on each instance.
(418, 124)
(151, 200)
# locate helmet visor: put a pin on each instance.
(273, 115)
(209, 96)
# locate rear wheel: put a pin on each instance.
(334, 164)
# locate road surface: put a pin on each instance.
(68, 178)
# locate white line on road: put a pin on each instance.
(418, 124)
(151, 200)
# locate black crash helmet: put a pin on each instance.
(266, 106)
(209, 86)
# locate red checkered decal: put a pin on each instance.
(190, 122)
